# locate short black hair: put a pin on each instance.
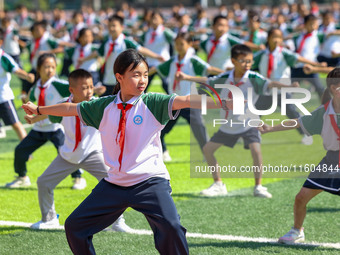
(78, 74)
(42, 23)
(116, 17)
(309, 18)
(218, 17)
(240, 49)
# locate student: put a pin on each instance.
(256, 34)
(308, 46)
(82, 149)
(217, 47)
(159, 39)
(227, 135)
(137, 177)
(330, 46)
(84, 55)
(324, 121)
(275, 63)
(41, 43)
(190, 64)
(113, 46)
(48, 90)
(7, 108)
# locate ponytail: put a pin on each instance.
(326, 96)
(116, 89)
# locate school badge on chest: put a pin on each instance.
(138, 119)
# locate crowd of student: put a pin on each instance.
(269, 47)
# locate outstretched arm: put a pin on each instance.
(182, 76)
(288, 125)
(65, 109)
(195, 102)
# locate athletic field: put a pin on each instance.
(236, 224)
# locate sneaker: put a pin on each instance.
(216, 189)
(166, 156)
(2, 132)
(79, 183)
(293, 236)
(260, 191)
(19, 182)
(52, 224)
(307, 140)
(120, 226)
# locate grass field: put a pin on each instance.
(238, 214)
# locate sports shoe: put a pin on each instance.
(19, 182)
(166, 156)
(2, 132)
(307, 140)
(260, 191)
(216, 189)
(120, 226)
(293, 236)
(79, 183)
(52, 224)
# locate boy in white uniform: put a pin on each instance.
(227, 135)
(82, 149)
(113, 46)
(7, 108)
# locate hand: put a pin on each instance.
(80, 61)
(30, 119)
(323, 64)
(227, 104)
(308, 69)
(295, 85)
(161, 59)
(99, 90)
(30, 108)
(262, 47)
(265, 129)
(30, 77)
(179, 76)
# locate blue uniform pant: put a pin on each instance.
(108, 201)
(298, 75)
(32, 142)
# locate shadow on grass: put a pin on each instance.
(322, 210)
(258, 245)
(11, 229)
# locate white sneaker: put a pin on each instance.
(120, 226)
(166, 156)
(307, 140)
(52, 224)
(216, 189)
(19, 182)
(260, 191)
(79, 183)
(2, 132)
(293, 236)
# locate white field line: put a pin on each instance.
(227, 238)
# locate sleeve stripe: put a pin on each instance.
(171, 102)
(303, 128)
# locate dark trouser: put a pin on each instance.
(26, 85)
(33, 141)
(329, 61)
(298, 75)
(164, 83)
(265, 102)
(194, 118)
(108, 201)
(67, 62)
